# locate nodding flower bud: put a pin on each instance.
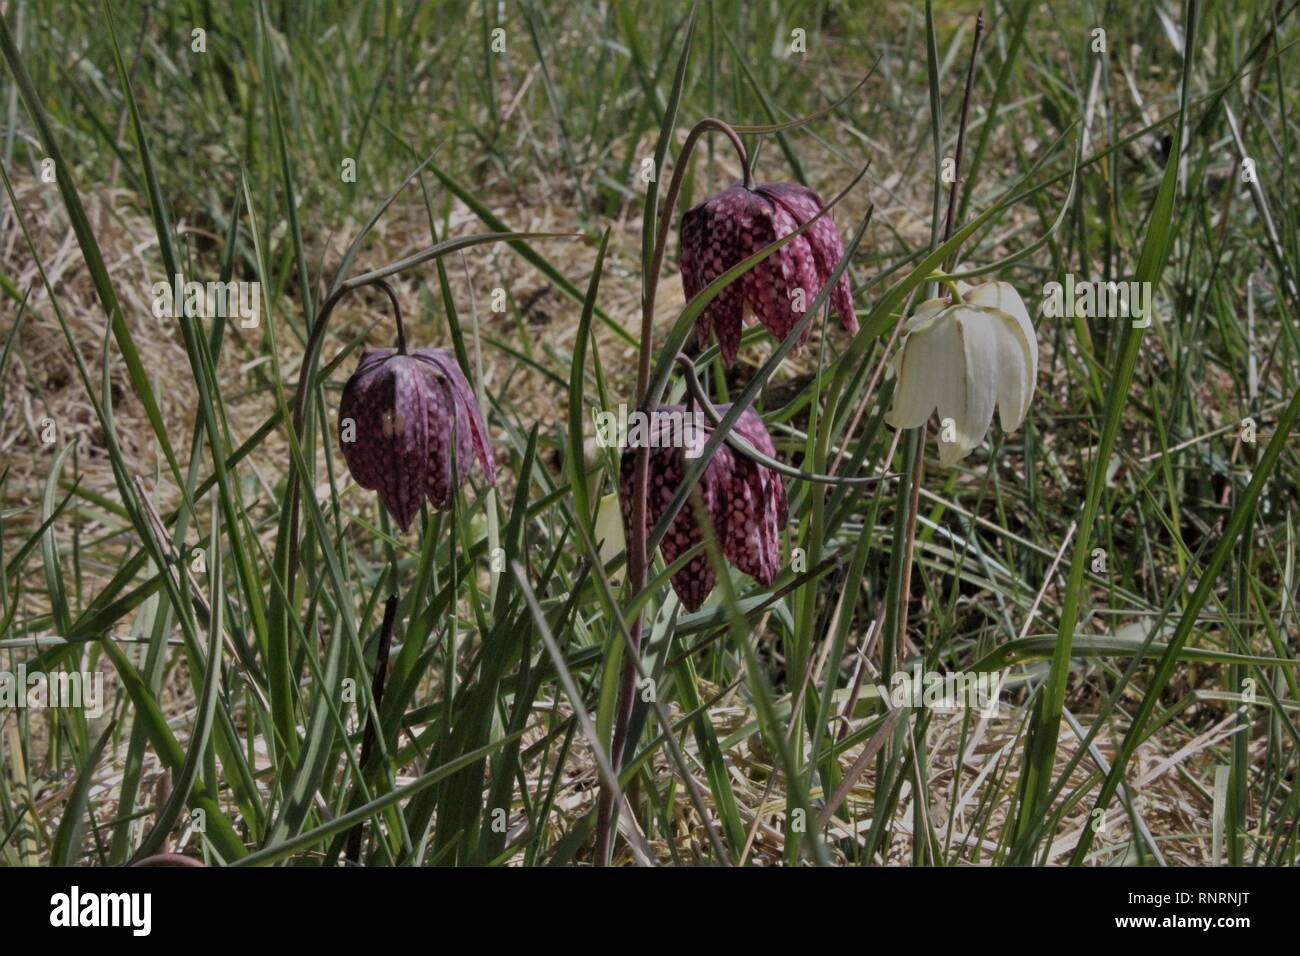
(728, 228)
(745, 503)
(965, 357)
(402, 418)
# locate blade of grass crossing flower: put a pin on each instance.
(746, 398)
(685, 322)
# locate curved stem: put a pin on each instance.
(637, 557)
(950, 283)
(397, 314)
(747, 174)
(665, 219)
(306, 373)
(317, 336)
(742, 447)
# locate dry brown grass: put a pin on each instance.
(43, 383)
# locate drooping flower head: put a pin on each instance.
(964, 357)
(399, 419)
(745, 502)
(730, 227)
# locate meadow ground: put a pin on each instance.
(1122, 565)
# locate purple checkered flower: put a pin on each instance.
(729, 228)
(745, 502)
(398, 419)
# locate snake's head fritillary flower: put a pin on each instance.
(400, 418)
(963, 357)
(730, 227)
(745, 503)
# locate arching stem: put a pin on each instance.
(637, 558)
(311, 352)
(305, 375)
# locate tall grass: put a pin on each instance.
(292, 680)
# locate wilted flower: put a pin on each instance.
(729, 228)
(398, 418)
(745, 503)
(963, 357)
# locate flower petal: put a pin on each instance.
(750, 427)
(924, 313)
(402, 419)
(745, 503)
(446, 427)
(966, 359)
(931, 367)
(709, 246)
(747, 521)
(1014, 378)
(1003, 297)
(973, 413)
(777, 288)
(609, 532)
(693, 583)
(377, 450)
(390, 452)
(444, 360)
(751, 504)
(823, 240)
(365, 396)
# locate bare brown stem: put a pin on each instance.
(637, 558)
(353, 851)
(918, 464)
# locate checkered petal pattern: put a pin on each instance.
(745, 503)
(730, 227)
(402, 420)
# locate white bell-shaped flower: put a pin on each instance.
(963, 358)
